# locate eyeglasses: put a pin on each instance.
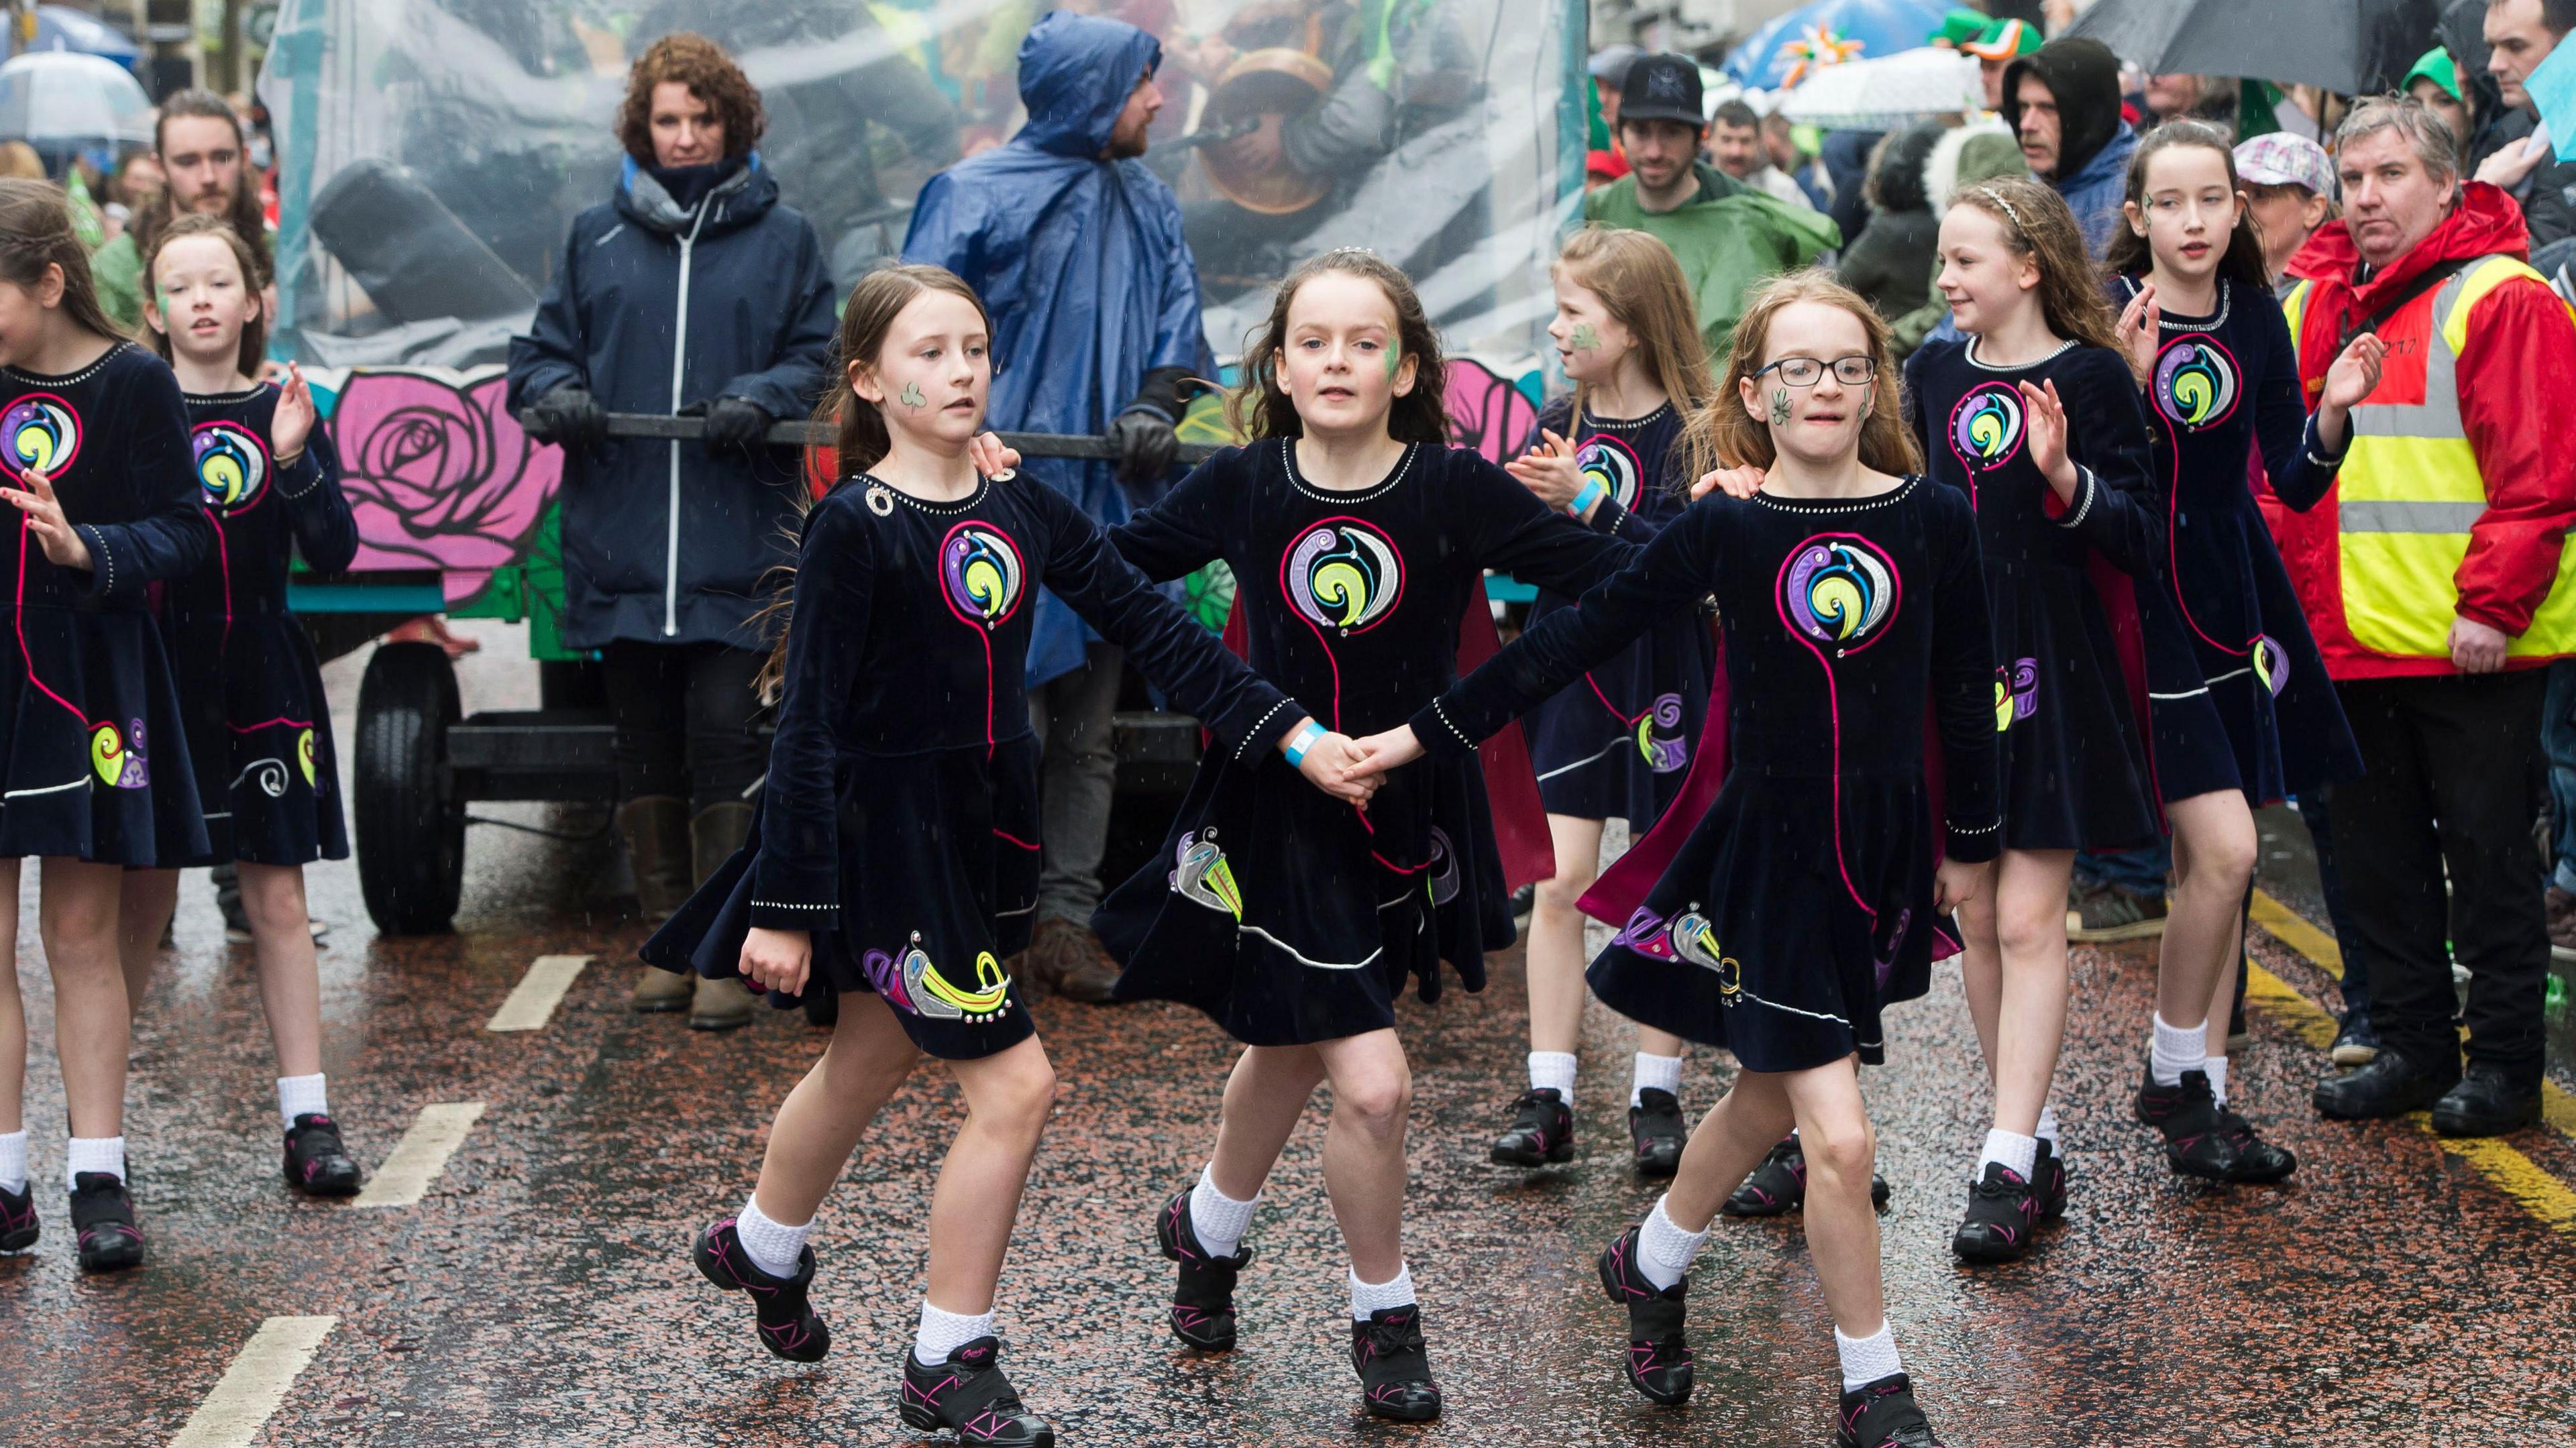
(1852, 371)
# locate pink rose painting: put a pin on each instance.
(440, 476)
(1487, 412)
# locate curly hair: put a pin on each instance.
(710, 74)
(2038, 225)
(1259, 406)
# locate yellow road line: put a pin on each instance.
(2504, 1167)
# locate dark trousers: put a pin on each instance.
(2454, 767)
(2317, 810)
(687, 721)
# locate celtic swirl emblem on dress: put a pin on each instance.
(1613, 464)
(1343, 575)
(1838, 590)
(2195, 383)
(232, 464)
(1202, 876)
(1986, 427)
(1695, 940)
(40, 432)
(2271, 663)
(981, 574)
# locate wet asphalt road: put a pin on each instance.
(538, 1292)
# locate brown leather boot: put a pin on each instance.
(714, 834)
(656, 828)
(1079, 967)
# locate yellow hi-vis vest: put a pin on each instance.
(2410, 491)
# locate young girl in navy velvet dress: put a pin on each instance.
(1361, 541)
(2034, 417)
(1618, 741)
(2243, 712)
(93, 762)
(1795, 890)
(894, 858)
(259, 728)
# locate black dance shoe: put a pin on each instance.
(1655, 1124)
(1203, 1298)
(2048, 1181)
(1779, 1184)
(2488, 1102)
(968, 1396)
(1659, 1356)
(2258, 1162)
(2196, 1142)
(788, 1326)
(103, 1223)
(2390, 1085)
(317, 1164)
(1541, 1133)
(18, 1227)
(1394, 1368)
(1883, 1414)
(2002, 1210)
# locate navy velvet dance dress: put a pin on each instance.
(2070, 685)
(1801, 903)
(1285, 914)
(95, 764)
(1617, 742)
(2238, 692)
(899, 821)
(259, 727)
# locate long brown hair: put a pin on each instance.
(2038, 225)
(2131, 254)
(1260, 407)
(710, 74)
(859, 438)
(36, 233)
(254, 333)
(1641, 285)
(248, 219)
(1724, 435)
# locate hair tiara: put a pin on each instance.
(1997, 198)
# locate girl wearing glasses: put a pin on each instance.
(1793, 890)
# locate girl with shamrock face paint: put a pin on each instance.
(259, 728)
(94, 464)
(1618, 742)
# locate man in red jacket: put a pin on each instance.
(2430, 577)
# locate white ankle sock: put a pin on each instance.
(2017, 1152)
(1656, 1073)
(2174, 1050)
(13, 1161)
(774, 1247)
(94, 1153)
(2216, 1066)
(1369, 1297)
(300, 1096)
(2047, 1131)
(1553, 1068)
(1219, 1220)
(1664, 1249)
(1867, 1359)
(943, 1333)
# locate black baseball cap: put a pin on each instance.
(1662, 87)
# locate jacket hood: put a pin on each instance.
(1076, 72)
(2085, 77)
(1896, 181)
(1966, 155)
(2486, 223)
(737, 201)
(2106, 170)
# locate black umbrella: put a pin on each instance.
(2358, 47)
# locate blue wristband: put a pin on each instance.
(1304, 739)
(1591, 493)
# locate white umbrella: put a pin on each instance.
(62, 97)
(1895, 90)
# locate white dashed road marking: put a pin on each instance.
(250, 1390)
(533, 1002)
(421, 1155)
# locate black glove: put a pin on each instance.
(1143, 431)
(570, 418)
(738, 424)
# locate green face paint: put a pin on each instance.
(911, 396)
(1584, 339)
(1394, 359)
(1779, 407)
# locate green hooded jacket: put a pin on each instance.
(1728, 238)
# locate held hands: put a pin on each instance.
(2476, 648)
(2045, 418)
(293, 422)
(777, 959)
(1738, 483)
(1955, 884)
(1393, 749)
(1328, 765)
(991, 458)
(62, 543)
(1548, 470)
(2141, 324)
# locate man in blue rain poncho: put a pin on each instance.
(1077, 250)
